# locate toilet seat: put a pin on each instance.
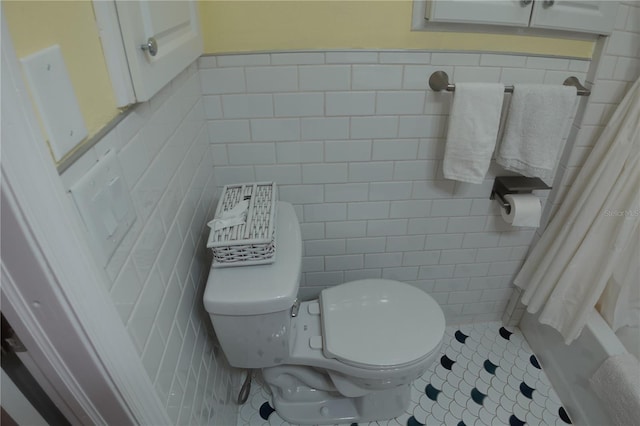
(395, 323)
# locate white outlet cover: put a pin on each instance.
(105, 205)
(55, 99)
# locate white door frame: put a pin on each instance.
(53, 292)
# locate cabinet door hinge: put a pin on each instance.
(10, 340)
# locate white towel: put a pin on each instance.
(473, 129)
(537, 120)
(617, 384)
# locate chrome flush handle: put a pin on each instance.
(295, 308)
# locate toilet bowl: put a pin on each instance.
(349, 356)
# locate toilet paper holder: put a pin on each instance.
(504, 185)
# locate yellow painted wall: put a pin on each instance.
(245, 26)
(35, 25)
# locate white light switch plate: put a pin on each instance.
(55, 99)
(105, 205)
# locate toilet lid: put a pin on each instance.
(380, 323)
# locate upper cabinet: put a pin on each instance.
(587, 16)
(501, 12)
(147, 43)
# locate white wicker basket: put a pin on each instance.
(252, 242)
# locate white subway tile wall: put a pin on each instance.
(158, 273)
(616, 67)
(355, 141)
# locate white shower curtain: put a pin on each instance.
(597, 223)
(619, 304)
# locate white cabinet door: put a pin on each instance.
(501, 12)
(174, 27)
(590, 16)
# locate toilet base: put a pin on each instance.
(332, 408)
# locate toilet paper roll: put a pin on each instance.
(525, 210)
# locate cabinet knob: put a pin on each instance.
(548, 3)
(525, 3)
(151, 46)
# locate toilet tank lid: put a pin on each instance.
(260, 289)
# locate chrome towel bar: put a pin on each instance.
(439, 81)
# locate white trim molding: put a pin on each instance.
(53, 293)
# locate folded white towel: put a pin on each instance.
(537, 120)
(617, 384)
(473, 129)
(235, 216)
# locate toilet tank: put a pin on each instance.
(250, 306)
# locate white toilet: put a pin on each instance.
(349, 356)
